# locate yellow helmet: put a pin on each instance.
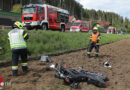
(18, 24)
(95, 28)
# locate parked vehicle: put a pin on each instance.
(80, 26)
(45, 16)
(120, 32)
(111, 30)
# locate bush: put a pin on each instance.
(17, 8)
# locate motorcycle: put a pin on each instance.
(73, 77)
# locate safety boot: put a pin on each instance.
(14, 72)
(25, 69)
(88, 55)
(96, 55)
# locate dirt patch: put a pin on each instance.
(117, 53)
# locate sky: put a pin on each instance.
(121, 7)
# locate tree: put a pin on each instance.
(126, 23)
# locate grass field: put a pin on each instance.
(48, 42)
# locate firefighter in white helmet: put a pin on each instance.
(17, 39)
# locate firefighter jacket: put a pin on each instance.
(95, 37)
(17, 38)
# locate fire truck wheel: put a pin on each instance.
(44, 27)
(62, 29)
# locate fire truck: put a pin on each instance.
(45, 16)
(80, 26)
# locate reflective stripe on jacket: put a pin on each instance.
(16, 39)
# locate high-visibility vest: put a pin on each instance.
(16, 39)
(94, 37)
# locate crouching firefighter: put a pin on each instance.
(94, 42)
(17, 39)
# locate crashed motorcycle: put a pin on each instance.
(74, 77)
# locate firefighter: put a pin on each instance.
(17, 39)
(94, 42)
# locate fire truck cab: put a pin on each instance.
(44, 16)
(80, 26)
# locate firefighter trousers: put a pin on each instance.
(90, 48)
(16, 53)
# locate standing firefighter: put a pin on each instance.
(94, 42)
(17, 37)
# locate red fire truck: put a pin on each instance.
(45, 16)
(80, 26)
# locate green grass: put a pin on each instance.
(48, 42)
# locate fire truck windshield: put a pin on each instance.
(29, 10)
(76, 24)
